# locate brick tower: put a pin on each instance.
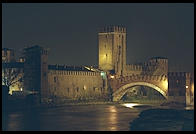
(112, 49)
(36, 70)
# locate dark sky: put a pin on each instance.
(70, 30)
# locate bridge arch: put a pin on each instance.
(118, 94)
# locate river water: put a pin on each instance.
(102, 117)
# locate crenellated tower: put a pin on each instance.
(112, 49)
(36, 70)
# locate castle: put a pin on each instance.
(97, 83)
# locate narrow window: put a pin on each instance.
(54, 79)
(77, 89)
(177, 81)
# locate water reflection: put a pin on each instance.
(14, 122)
(32, 120)
(72, 118)
(23, 120)
(112, 118)
(130, 105)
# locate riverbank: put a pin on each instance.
(79, 103)
(164, 120)
(70, 103)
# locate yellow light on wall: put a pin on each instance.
(112, 76)
(84, 87)
(165, 84)
(192, 89)
(187, 86)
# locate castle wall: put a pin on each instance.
(156, 66)
(177, 83)
(75, 85)
(44, 74)
(133, 70)
(180, 85)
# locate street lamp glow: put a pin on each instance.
(102, 73)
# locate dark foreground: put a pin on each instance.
(98, 117)
(164, 120)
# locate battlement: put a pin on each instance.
(71, 70)
(140, 78)
(36, 48)
(75, 73)
(179, 74)
(108, 29)
(147, 77)
(134, 67)
(155, 60)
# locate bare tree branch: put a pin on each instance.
(11, 75)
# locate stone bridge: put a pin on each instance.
(121, 85)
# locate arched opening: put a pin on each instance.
(118, 95)
(142, 94)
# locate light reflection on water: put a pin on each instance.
(14, 121)
(74, 118)
(130, 105)
(113, 118)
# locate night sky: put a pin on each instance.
(70, 30)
